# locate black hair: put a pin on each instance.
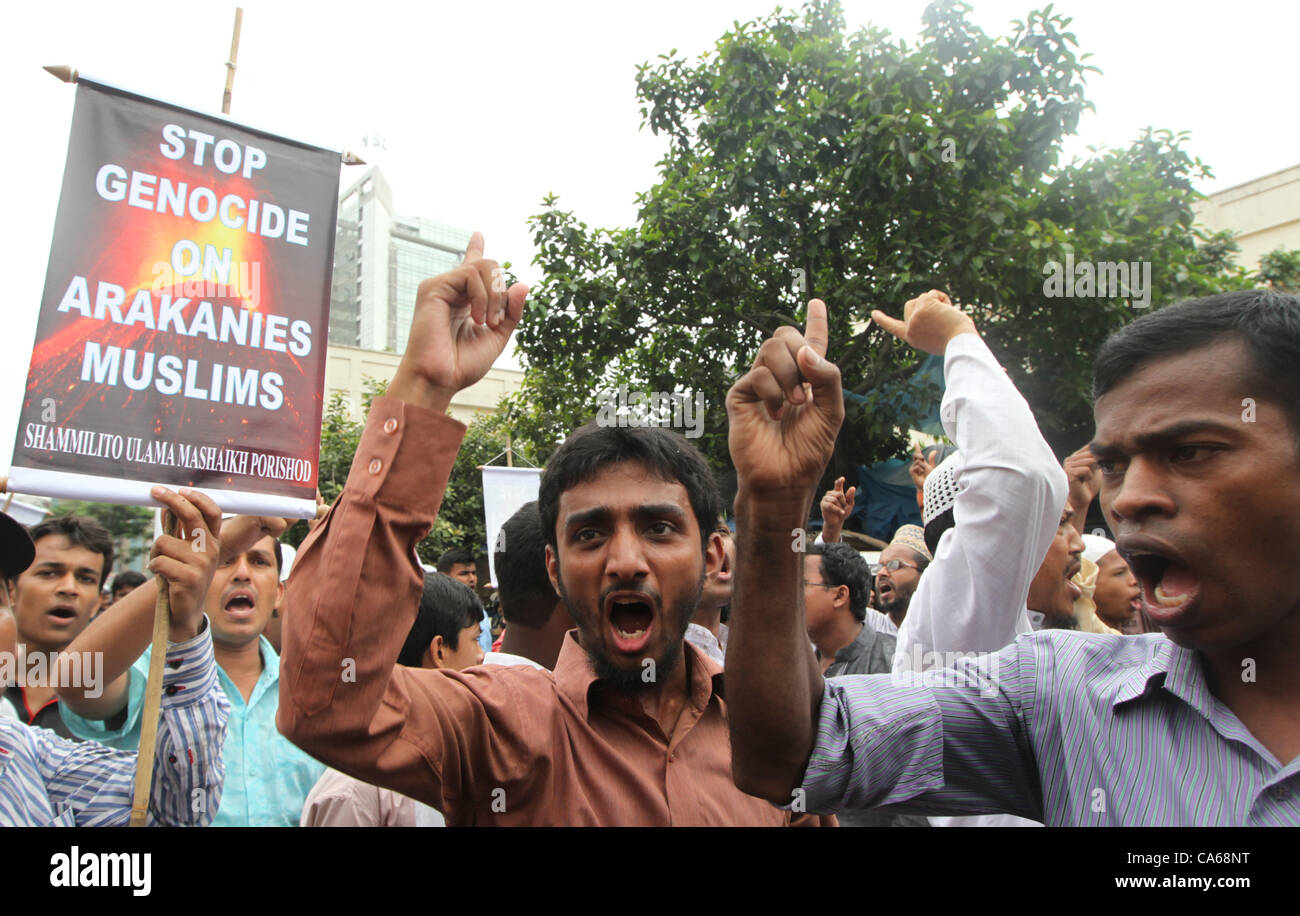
(935, 529)
(128, 579)
(592, 448)
(523, 584)
(80, 532)
(447, 606)
(842, 565)
(1267, 322)
(453, 557)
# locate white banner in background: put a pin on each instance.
(505, 490)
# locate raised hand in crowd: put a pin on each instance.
(241, 532)
(784, 414)
(920, 468)
(836, 506)
(188, 561)
(1085, 483)
(462, 321)
(929, 322)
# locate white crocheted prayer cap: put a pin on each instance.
(940, 490)
(1095, 547)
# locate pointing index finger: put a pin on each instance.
(475, 249)
(816, 333)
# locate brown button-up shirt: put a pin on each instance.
(490, 744)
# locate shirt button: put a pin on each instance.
(375, 466)
(171, 690)
(1281, 793)
(390, 425)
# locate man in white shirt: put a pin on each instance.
(992, 511)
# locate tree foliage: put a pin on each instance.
(1280, 269)
(460, 521)
(130, 527)
(855, 167)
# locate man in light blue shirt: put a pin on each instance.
(267, 777)
(1198, 442)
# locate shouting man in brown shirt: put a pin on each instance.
(630, 728)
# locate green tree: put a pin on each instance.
(340, 435)
(460, 521)
(1280, 269)
(131, 527)
(806, 161)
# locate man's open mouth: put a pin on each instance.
(63, 613)
(631, 618)
(1169, 584)
(1070, 572)
(240, 605)
(724, 571)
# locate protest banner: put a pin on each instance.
(504, 491)
(181, 336)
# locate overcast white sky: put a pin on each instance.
(488, 106)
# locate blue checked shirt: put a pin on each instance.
(1066, 728)
(48, 781)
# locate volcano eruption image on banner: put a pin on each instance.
(182, 332)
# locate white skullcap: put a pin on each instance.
(940, 488)
(287, 554)
(1095, 547)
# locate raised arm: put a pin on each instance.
(1010, 493)
(356, 582)
(95, 783)
(836, 506)
(123, 632)
(1085, 483)
(784, 415)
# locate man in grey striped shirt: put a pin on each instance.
(1198, 439)
(49, 781)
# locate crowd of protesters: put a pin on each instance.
(667, 659)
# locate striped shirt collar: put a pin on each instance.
(1180, 672)
(1169, 666)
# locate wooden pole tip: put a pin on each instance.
(63, 72)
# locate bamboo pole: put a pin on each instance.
(230, 64)
(152, 695)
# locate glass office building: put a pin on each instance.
(379, 260)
